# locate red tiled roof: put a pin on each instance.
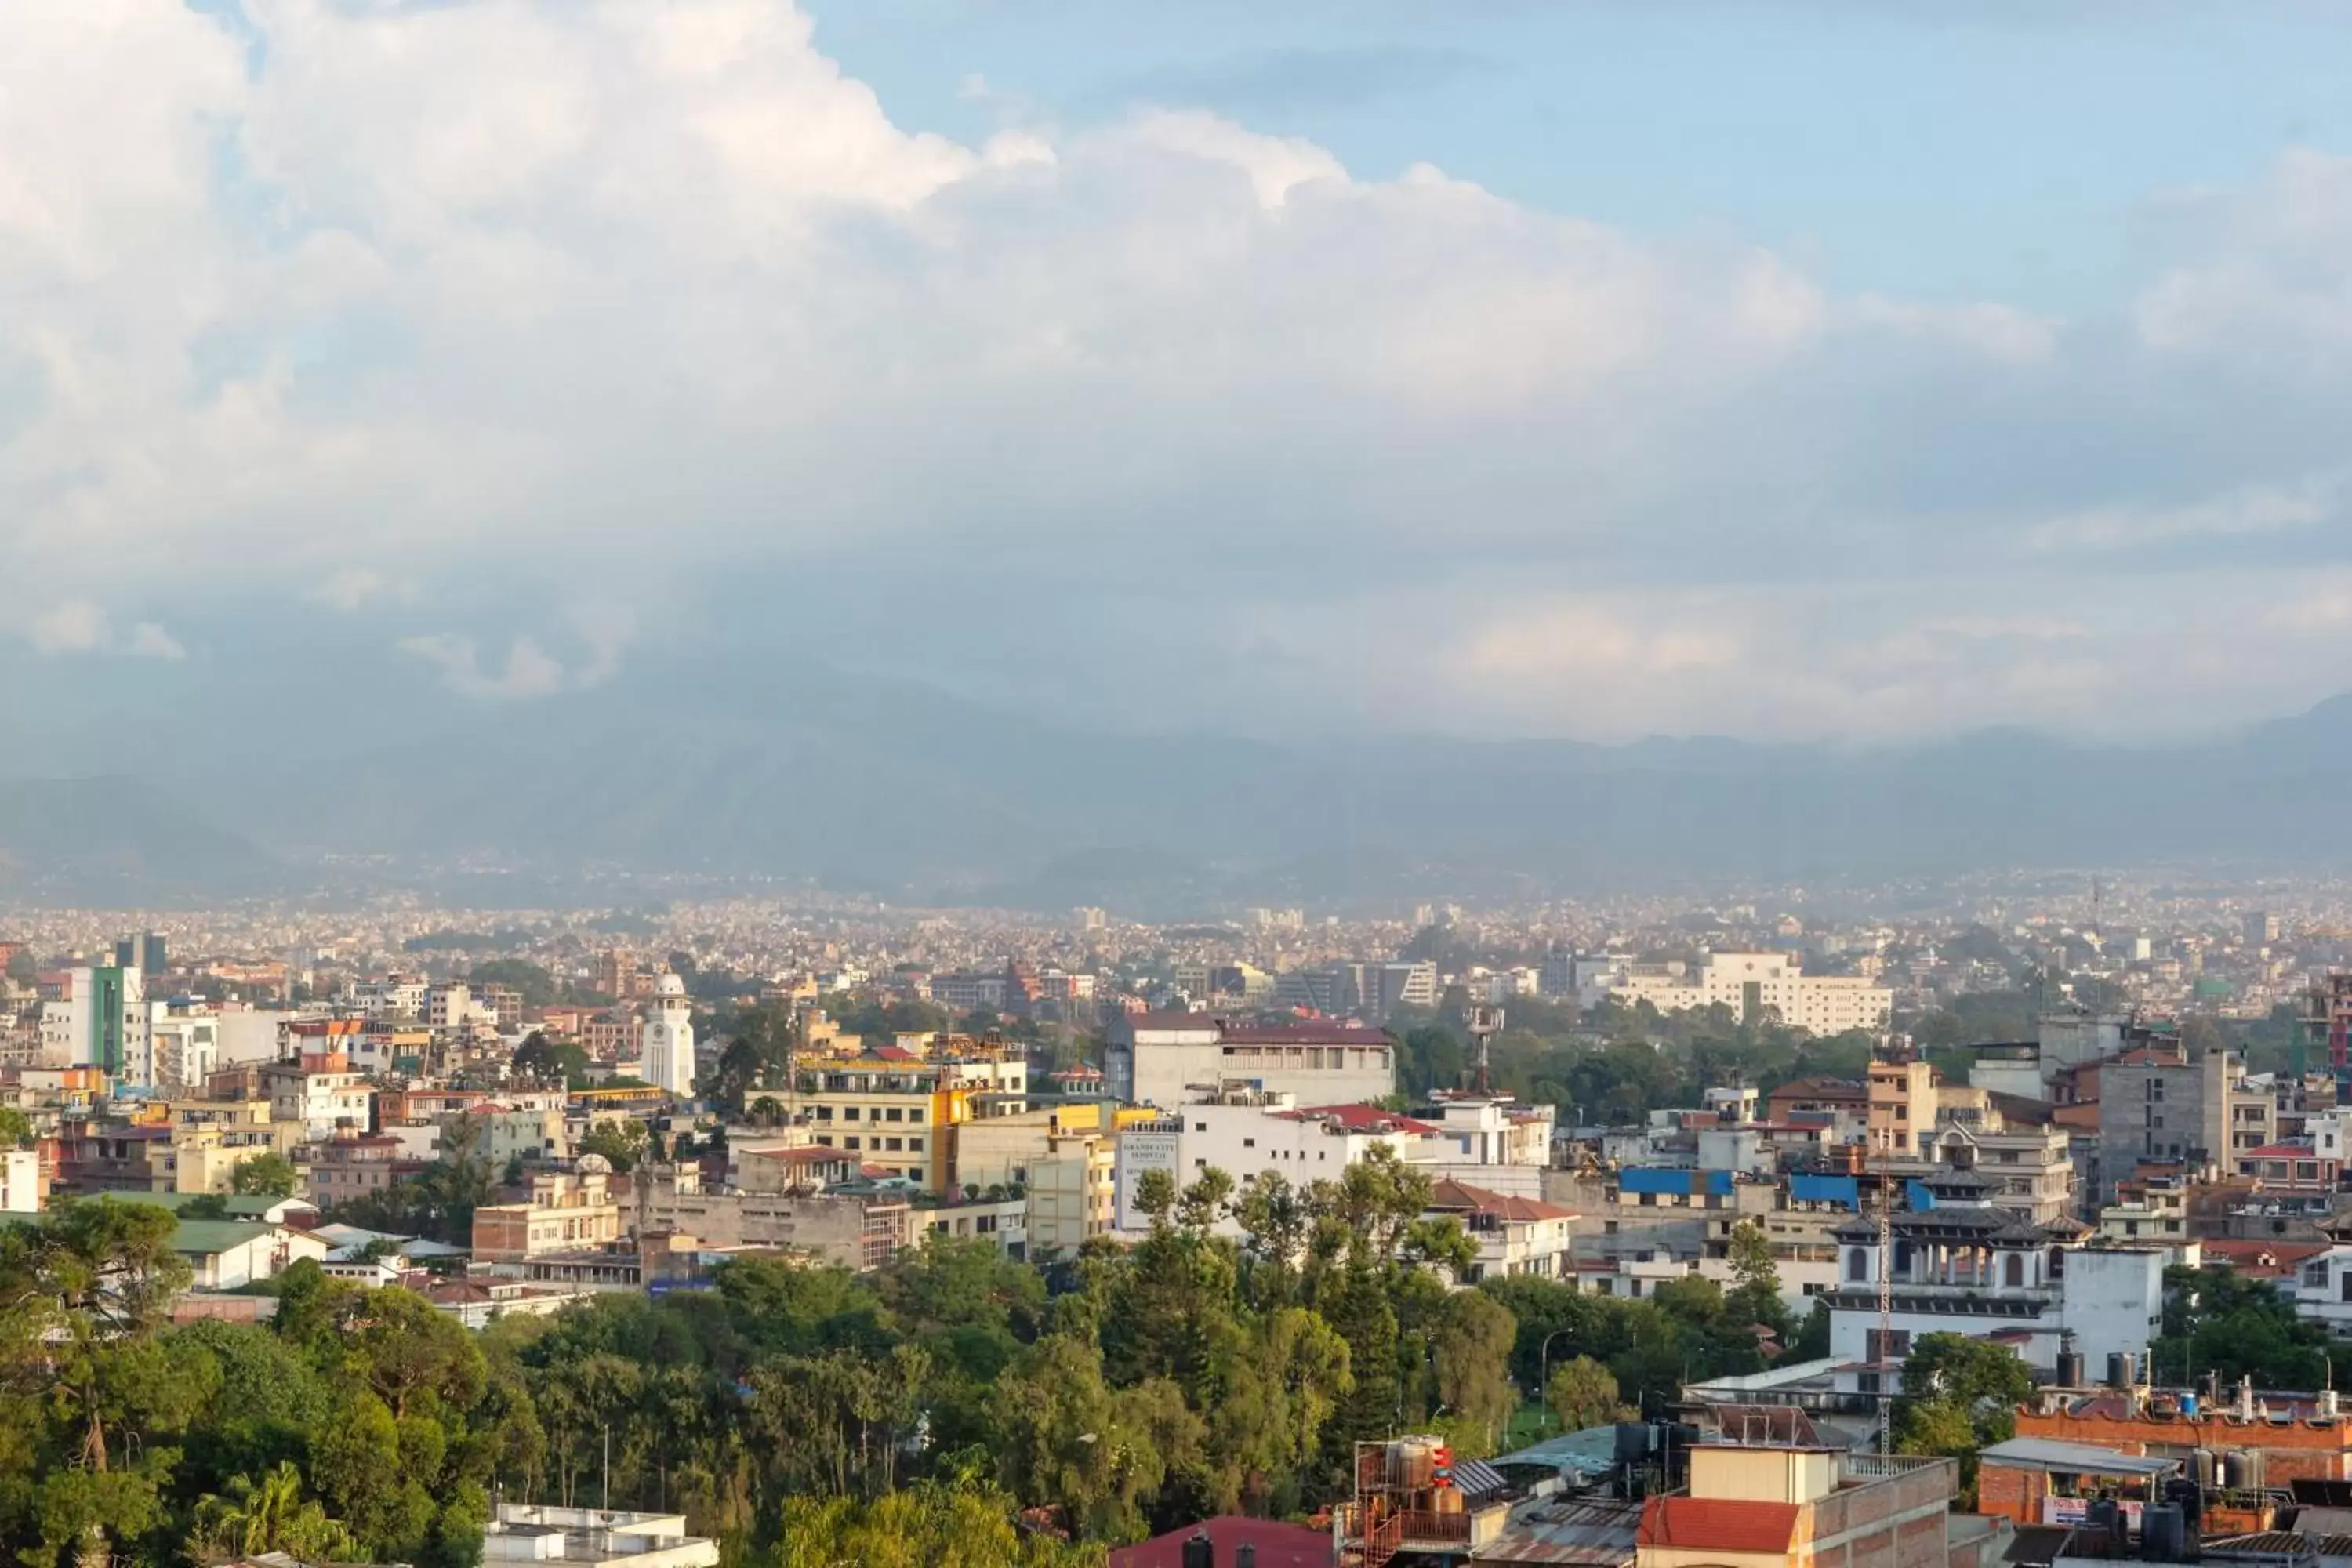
(1717, 1524)
(2262, 1259)
(808, 1155)
(2280, 1152)
(1279, 1545)
(1450, 1194)
(1839, 1088)
(1361, 1119)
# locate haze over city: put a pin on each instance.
(1057, 784)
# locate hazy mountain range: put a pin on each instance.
(903, 790)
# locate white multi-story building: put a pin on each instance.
(185, 1041)
(665, 1039)
(20, 1182)
(1754, 984)
(393, 996)
(321, 1091)
(1248, 1134)
(101, 1021)
(1170, 1060)
(1964, 1267)
(2323, 1289)
(1513, 1236)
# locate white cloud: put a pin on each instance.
(2261, 509)
(79, 626)
(592, 300)
(355, 587)
(529, 669)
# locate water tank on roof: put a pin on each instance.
(1200, 1552)
(1245, 1555)
(2163, 1533)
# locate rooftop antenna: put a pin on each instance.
(1885, 1293)
(1485, 1023)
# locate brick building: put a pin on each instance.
(2274, 1438)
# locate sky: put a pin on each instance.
(1795, 369)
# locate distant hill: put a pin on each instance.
(114, 841)
(902, 791)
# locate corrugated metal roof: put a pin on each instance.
(2044, 1454)
(1475, 1477)
(1583, 1534)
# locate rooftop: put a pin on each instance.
(2074, 1459)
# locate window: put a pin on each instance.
(849, 1113)
(1857, 1264)
(1200, 1127)
(1249, 1142)
(2344, 1280)
(2307, 1170)
(2155, 1089)
(2315, 1275)
(892, 1113)
(914, 1116)
(849, 1142)
(2013, 1269)
(915, 1145)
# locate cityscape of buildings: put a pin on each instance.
(653, 1097)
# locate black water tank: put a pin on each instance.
(1200, 1552)
(1632, 1442)
(2070, 1369)
(1245, 1555)
(2119, 1369)
(2099, 1518)
(2163, 1533)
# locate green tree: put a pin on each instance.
(1582, 1394)
(1958, 1396)
(270, 1175)
(623, 1142)
(1754, 1296)
(535, 985)
(15, 1128)
(1471, 1353)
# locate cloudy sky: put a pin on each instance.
(1784, 368)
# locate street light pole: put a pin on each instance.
(1543, 1394)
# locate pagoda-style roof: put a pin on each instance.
(1974, 1226)
(1957, 1181)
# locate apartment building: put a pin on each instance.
(1753, 1505)
(900, 1110)
(1247, 1133)
(1754, 986)
(2163, 1102)
(777, 1197)
(564, 1213)
(1902, 1106)
(1513, 1236)
(354, 1164)
(1073, 1193)
(1169, 1059)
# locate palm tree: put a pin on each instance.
(270, 1515)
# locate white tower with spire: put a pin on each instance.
(665, 1039)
